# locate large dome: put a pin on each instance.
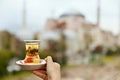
(72, 13)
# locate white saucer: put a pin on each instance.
(26, 66)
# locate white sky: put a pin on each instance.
(39, 10)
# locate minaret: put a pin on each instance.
(24, 16)
(98, 12)
(24, 33)
(119, 16)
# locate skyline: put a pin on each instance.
(38, 11)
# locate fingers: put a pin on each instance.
(41, 74)
(50, 70)
(40, 71)
(43, 68)
(49, 61)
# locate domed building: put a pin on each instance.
(72, 13)
(72, 19)
(73, 23)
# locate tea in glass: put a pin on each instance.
(32, 47)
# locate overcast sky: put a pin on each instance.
(39, 10)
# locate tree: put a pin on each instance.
(5, 56)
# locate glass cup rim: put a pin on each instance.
(31, 41)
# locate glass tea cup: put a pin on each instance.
(32, 48)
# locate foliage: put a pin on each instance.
(44, 53)
(113, 52)
(5, 56)
(17, 76)
(98, 49)
(108, 59)
(110, 52)
(117, 51)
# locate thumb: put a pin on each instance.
(49, 61)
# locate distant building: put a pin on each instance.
(49, 33)
(73, 20)
(1, 40)
(10, 42)
(81, 39)
(118, 40)
(74, 32)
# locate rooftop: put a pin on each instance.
(72, 13)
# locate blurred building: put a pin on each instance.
(81, 39)
(4, 40)
(1, 40)
(118, 40)
(74, 35)
(10, 42)
(49, 33)
(72, 19)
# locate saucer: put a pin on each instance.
(31, 66)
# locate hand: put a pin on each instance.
(51, 72)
